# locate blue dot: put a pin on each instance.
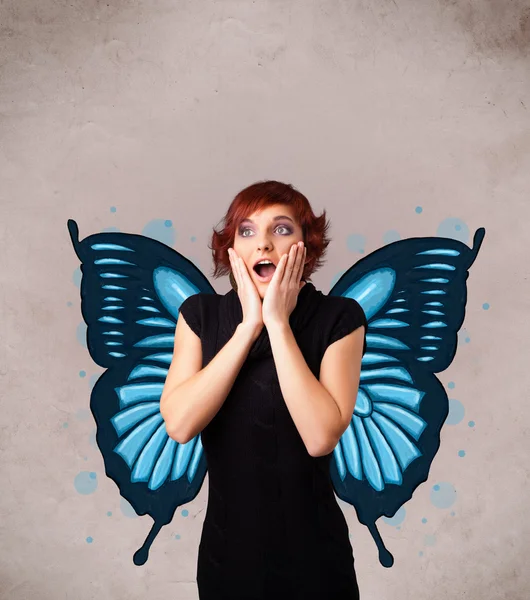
(391, 236)
(443, 495)
(185, 513)
(397, 519)
(82, 373)
(356, 242)
(85, 483)
(76, 277)
(485, 306)
(68, 304)
(92, 380)
(161, 230)
(461, 453)
(177, 537)
(456, 412)
(81, 333)
(112, 209)
(453, 228)
(127, 509)
(471, 423)
(451, 385)
(424, 520)
(452, 513)
(89, 540)
(419, 209)
(463, 335)
(109, 513)
(193, 238)
(420, 553)
(65, 424)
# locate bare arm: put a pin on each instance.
(192, 396)
(320, 417)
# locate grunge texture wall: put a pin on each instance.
(402, 119)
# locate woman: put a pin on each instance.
(268, 375)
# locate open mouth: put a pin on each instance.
(264, 272)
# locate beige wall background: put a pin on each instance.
(400, 118)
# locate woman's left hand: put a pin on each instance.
(282, 292)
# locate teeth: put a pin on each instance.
(264, 262)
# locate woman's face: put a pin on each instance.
(268, 234)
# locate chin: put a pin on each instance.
(262, 288)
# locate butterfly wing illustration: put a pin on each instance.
(131, 289)
(413, 293)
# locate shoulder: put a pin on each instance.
(190, 304)
(344, 315)
(201, 298)
(338, 305)
(197, 309)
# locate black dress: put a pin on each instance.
(273, 528)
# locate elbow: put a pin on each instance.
(174, 431)
(326, 447)
(179, 436)
(321, 449)
(331, 441)
(175, 434)
(171, 429)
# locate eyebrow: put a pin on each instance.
(274, 219)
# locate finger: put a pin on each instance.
(278, 272)
(240, 270)
(235, 269)
(285, 266)
(293, 256)
(281, 268)
(296, 267)
(301, 264)
(244, 271)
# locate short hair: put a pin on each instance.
(261, 195)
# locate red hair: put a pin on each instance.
(261, 195)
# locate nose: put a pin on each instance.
(264, 243)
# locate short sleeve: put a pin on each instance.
(349, 317)
(191, 309)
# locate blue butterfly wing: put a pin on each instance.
(131, 289)
(413, 293)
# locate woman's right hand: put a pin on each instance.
(247, 292)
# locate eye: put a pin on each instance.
(288, 230)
